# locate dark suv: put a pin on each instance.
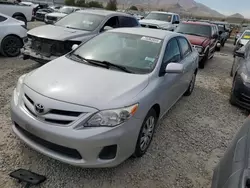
(203, 36)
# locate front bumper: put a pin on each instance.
(28, 53)
(84, 144)
(241, 93)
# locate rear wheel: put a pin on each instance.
(232, 98)
(204, 60)
(191, 86)
(10, 46)
(146, 134)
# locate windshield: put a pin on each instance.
(82, 21)
(221, 27)
(160, 16)
(66, 10)
(194, 29)
(246, 35)
(136, 53)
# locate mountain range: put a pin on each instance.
(183, 6)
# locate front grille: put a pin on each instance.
(52, 18)
(39, 15)
(48, 47)
(69, 152)
(53, 116)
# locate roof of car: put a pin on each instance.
(198, 23)
(161, 12)
(155, 33)
(102, 12)
(247, 30)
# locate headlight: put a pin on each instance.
(19, 84)
(111, 118)
(199, 49)
(245, 77)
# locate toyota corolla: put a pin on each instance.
(100, 103)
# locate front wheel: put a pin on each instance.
(11, 46)
(146, 134)
(191, 86)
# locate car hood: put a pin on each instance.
(57, 32)
(78, 83)
(197, 40)
(154, 22)
(244, 41)
(57, 14)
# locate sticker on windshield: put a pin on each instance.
(87, 22)
(151, 59)
(246, 37)
(149, 39)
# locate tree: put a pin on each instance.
(80, 3)
(111, 5)
(70, 2)
(95, 4)
(133, 8)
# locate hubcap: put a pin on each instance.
(11, 47)
(147, 133)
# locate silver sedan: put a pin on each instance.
(100, 103)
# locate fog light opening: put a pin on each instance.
(108, 152)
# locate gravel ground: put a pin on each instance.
(187, 145)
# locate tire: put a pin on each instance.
(223, 43)
(204, 60)
(139, 149)
(11, 46)
(21, 18)
(191, 86)
(232, 98)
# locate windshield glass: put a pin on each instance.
(246, 35)
(160, 16)
(82, 21)
(137, 53)
(221, 27)
(194, 29)
(66, 10)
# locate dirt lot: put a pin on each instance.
(187, 145)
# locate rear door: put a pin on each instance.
(213, 40)
(188, 59)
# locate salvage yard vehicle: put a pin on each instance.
(203, 36)
(40, 14)
(161, 20)
(19, 12)
(52, 41)
(239, 33)
(242, 40)
(79, 120)
(233, 168)
(53, 17)
(240, 92)
(12, 35)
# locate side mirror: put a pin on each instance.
(106, 28)
(74, 46)
(239, 53)
(220, 32)
(174, 68)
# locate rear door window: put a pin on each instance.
(127, 21)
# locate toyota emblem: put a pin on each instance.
(39, 108)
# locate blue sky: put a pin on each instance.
(229, 7)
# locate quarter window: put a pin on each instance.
(2, 18)
(185, 46)
(172, 52)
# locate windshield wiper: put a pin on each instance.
(104, 64)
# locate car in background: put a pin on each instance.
(40, 14)
(53, 17)
(239, 33)
(19, 12)
(70, 119)
(12, 34)
(55, 7)
(224, 27)
(223, 35)
(203, 36)
(161, 20)
(240, 71)
(242, 40)
(233, 168)
(48, 42)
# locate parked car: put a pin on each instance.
(53, 17)
(203, 36)
(240, 95)
(52, 41)
(19, 12)
(224, 27)
(239, 33)
(223, 35)
(233, 168)
(81, 121)
(55, 7)
(40, 14)
(12, 34)
(242, 40)
(161, 20)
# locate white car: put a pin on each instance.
(161, 20)
(13, 33)
(244, 38)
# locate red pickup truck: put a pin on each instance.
(203, 36)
